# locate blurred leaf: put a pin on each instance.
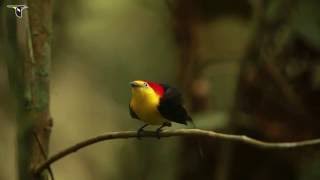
(273, 9)
(212, 120)
(306, 21)
(310, 170)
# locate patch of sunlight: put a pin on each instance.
(80, 111)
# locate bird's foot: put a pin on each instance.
(158, 132)
(139, 133)
(140, 130)
(168, 124)
(160, 128)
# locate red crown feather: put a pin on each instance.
(156, 87)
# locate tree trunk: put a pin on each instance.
(28, 67)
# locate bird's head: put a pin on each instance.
(143, 88)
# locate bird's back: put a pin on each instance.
(170, 106)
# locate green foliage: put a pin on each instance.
(306, 21)
(100, 46)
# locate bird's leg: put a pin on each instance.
(140, 130)
(159, 129)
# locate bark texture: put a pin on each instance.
(29, 69)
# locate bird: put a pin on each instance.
(156, 104)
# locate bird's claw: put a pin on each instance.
(158, 133)
(139, 133)
(168, 124)
(140, 130)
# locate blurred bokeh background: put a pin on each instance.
(244, 67)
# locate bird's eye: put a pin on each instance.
(145, 84)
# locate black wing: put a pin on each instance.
(170, 106)
(132, 113)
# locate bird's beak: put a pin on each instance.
(134, 84)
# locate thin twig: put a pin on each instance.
(179, 132)
(44, 154)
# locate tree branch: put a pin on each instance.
(44, 154)
(179, 132)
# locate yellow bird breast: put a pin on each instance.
(145, 106)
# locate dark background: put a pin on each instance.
(244, 67)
